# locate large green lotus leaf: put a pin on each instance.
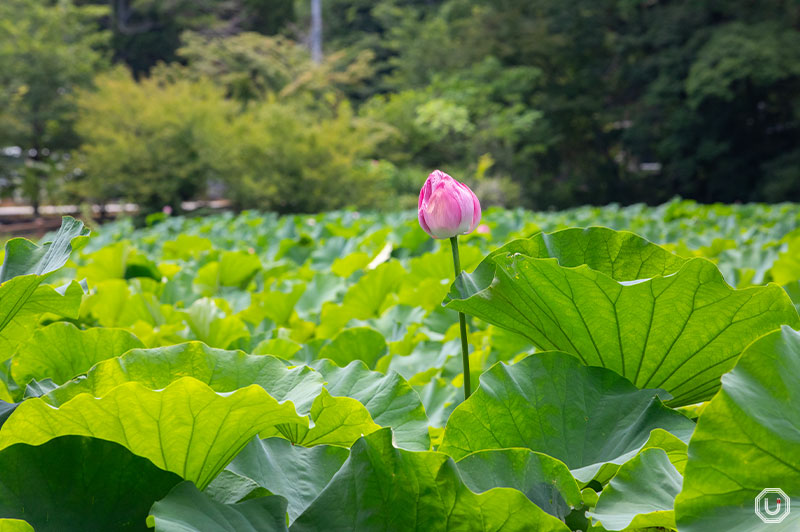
(209, 324)
(787, 266)
(23, 302)
(323, 287)
(380, 487)
(186, 509)
(297, 473)
(15, 525)
(23, 257)
(274, 305)
(349, 264)
(641, 495)
(359, 343)
(223, 371)
(120, 260)
(615, 300)
(109, 304)
(279, 347)
(186, 247)
(61, 351)
(76, 484)
(440, 398)
(186, 428)
(551, 403)
(675, 447)
(391, 401)
(234, 269)
(335, 421)
(543, 479)
(367, 297)
(229, 487)
(747, 440)
(106, 263)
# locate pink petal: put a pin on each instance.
(443, 213)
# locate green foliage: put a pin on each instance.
(641, 495)
(253, 67)
(248, 65)
(147, 32)
(737, 54)
(214, 427)
(281, 157)
(186, 508)
(102, 484)
(533, 404)
(47, 51)
(162, 140)
(297, 473)
(534, 102)
(273, 433)
(626, 304)
(78, 351)
(745, 440)
(447, 503)
(543, 479)
(154, 142)
(25, 299)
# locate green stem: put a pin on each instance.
(462, 321)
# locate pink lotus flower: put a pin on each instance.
(446, 207)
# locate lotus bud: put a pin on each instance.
(446, 207)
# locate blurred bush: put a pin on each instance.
(155, 142)
(47, 51)
(163, 139)
(281, 156)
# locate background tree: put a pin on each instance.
(47, 51)
(544, 103)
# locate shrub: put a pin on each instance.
(153, 142)
(287, 159)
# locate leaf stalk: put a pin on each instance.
(462, 322)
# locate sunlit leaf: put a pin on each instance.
(61, 351)
(384, 488)
(747, 439)
(223, 371)
(186, 428)
(550, 403)
(615, 300)
(388, 397)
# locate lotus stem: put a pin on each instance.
(462, 322)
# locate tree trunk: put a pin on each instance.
(316, 31)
